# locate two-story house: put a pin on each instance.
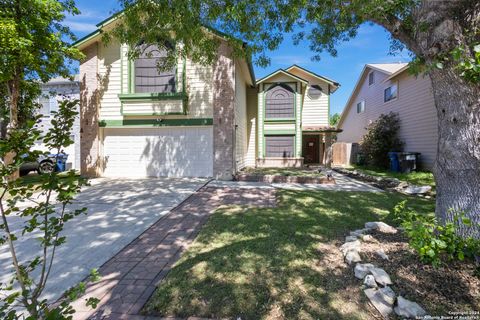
(293, 108)
(389, 87)
(194, 120)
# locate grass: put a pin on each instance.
(419, 178)
(276, 263)
(299, 172)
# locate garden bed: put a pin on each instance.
(285, 175)
(387, 180)
(448, 288)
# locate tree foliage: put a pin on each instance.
(334, 119)
(324, 25)
(34, 45)
(44, 209)
(380, 139)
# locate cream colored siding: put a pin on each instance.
(200, 90)
(150, 108)
(252, 97)
(110, 80)
(279, 126)
(415, 106)
(240, 118)
(199, 83)
(315, 112)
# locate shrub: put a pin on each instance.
(381, 138)
(435, 242)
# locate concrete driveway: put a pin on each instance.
(119, 211)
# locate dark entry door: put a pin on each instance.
(311, 149)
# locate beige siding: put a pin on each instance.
(415, 106)
(150, 108)
(315, 111)
(113, 67)
(240, 118)
(279, 126)
(200, 90)
(110, 80)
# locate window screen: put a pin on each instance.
(371, 78)
(390, 93)
(147, 77)
(279, 146)
(279, 102)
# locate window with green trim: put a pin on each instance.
(279, 146)
(280, 102)
(148, 78)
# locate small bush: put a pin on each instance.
(435, 242)
(380, 139)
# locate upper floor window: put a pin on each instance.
(148, 79)
(361, 107)
(371, 78)
(49, 103)
(390, 93)
(280, 102)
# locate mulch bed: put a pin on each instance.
(452, 287)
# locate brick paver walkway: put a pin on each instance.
(130, 277)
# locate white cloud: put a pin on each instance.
(80, 26)
(288, 60)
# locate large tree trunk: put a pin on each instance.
(457, 168)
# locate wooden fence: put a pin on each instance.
(344, 153)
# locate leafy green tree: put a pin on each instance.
(334, 119)
(34, 47)
(44, 215)
(442, 34)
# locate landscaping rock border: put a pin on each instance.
(376, 281)
(388, 183)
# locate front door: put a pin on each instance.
(310, 149)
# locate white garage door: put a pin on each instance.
(158, 152)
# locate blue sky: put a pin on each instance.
(370, 46)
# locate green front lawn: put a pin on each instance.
(420, 178)
(276, 263)
(299, 172)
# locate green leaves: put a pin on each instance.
(45, 217)
(436, 242)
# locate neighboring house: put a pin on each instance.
(53, 92)
(384, 88)
(194, 120)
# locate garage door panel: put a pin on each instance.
(171, 152)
